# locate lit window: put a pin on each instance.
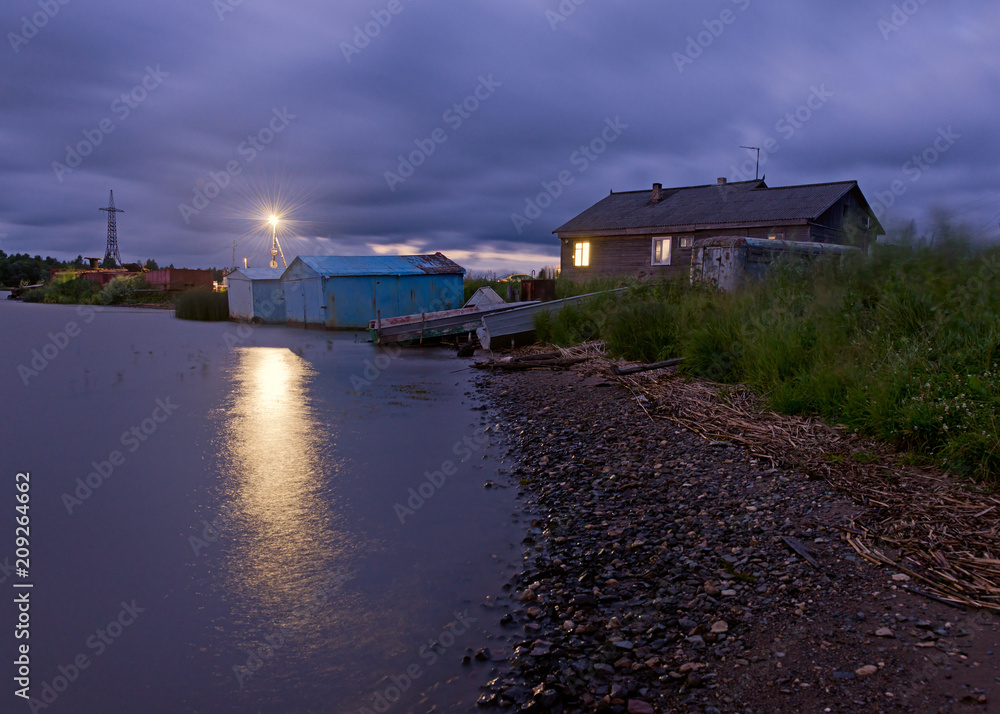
(687, 242)
(581, 255)
(661, 251)
(776, 236)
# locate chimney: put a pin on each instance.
(657, 195)
(721, 180)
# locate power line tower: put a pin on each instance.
(111, 253)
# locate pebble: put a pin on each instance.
(647, 549)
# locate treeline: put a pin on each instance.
(23, 269)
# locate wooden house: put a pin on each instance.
(650, 234)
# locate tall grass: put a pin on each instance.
(903, 345)
(202, 304)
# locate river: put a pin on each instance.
(228, 518)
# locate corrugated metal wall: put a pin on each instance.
(350, 302)
(240, 297)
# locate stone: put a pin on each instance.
(720, 627)
(637, 706)
(866, 670)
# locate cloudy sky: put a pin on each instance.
(472, 128)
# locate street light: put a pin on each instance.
(275, 245)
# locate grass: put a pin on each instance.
(202, 304)
(902, 345)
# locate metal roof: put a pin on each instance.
(258, 273)
(714, 204)
(331, 265)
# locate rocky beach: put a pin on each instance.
(669, 572)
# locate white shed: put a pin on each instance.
(256, 295)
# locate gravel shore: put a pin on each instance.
(666, 573)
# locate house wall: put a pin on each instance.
(352, 302)
(628, 255)
(240, 294)
(304, 302)
(632, 255)
(179, 278)
(845, 223)
(268, 301)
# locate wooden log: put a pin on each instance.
(647, 367)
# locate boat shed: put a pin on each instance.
(343, 292)
(256, 295)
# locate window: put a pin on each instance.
(776, 236)
(687, 242)
(661, 251)
(581, 255)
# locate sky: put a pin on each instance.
(471, 128)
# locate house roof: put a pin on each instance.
(331, 265)
(731, 203)
(258, 273)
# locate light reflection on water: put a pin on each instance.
(276, 457)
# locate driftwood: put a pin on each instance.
(800, 548)
(935, 528)
(517, 364)
(647, 367)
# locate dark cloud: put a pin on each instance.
(316, 103)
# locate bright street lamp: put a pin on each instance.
(275, 245)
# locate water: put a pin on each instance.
(221, 517)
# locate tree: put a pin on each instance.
(151, 265)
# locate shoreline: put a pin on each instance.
(662, 575)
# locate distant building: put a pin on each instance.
(348, 292)
(650, 234)
(256, 295)
(179, 279)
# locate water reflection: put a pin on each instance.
(274, 454)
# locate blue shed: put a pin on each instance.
(256, 295)
(348, 292)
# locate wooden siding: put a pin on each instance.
(630, 256)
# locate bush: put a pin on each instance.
(202, 304)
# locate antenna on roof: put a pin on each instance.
(756, 170)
